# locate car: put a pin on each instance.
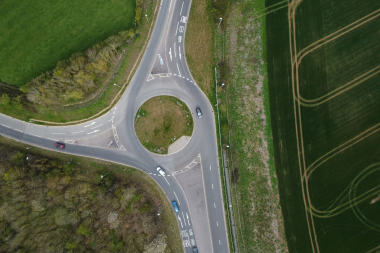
(174, 203)
(59, 145)
(195, 250)
(199, 112)
(161, 171)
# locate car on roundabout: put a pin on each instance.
(160, 171)
(175, 206)
(59, 145)
(199, 112)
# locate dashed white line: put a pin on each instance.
(93, 132)
(184, 221)
(210, 167)
(58, 133)
(175, 74)
(179, 52)
(217, 224)
(181, 9)
(166, 180)
(177, 198)
(150, 173)
(212, 186)
(111, 118)
(5, 125)
(175, 52)
(78, 132)
(219, 243)
(183, 77)
(178, 70)
(90, 124)
(191, 81)
(36, 135)
(96, 126)
(187, 79)
(18, 130)
(214, 205)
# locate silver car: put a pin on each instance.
(161, 171)
(199, 113)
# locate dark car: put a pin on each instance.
(199, 113)
(174, 203)
(195, 250)
(59, 145)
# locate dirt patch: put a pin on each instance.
(162, 120)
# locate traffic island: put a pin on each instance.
(162, 120)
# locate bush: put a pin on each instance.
(71, 245)
(83, 230)
(18, 158)
(138, 16)
(5, 99)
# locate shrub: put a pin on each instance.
(18, 158)
(71, 245)
(83, 230)
(5, 99)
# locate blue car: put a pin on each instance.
(174, 203)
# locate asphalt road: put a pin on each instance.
(192, 174)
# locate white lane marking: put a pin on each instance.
(179, 52)
(219, 243)
(183, 77)
(90, 124)
(178, 70)
(110, 144)
(154, 174)
(166, 180)
(187, 79)
(214, 205)
(114, 112)
(5, 125)
(78, 132)
(177, 198)
(184, 221)
(168, 175)
(181, 9)
(150, 173)
(115, 107)
(58, 133)
(175, 74)
(179, 218)
(210, 167)
(191, 81)
(170, 53)
(188, 221)
(212, 186)
(93, 132)
(18, 130)
(175, 52)
(217, 224)
(36, 135)
(111, 119)
(176, 29)
(96, 126)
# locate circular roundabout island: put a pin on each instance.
(164, 124)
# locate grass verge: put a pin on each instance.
(238, 51)
(162, 120)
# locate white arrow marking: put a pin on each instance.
(179, 53)
(178, 70)
(179, 218)
(188, 221)
(184, 221)
(170, 53)
(90, 124)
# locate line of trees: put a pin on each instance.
(51, 206)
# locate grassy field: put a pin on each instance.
(238, 52)
(324, 104)
(35, 35)
(162, 120)
(89, 170)
(90, 108)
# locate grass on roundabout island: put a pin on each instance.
(162, 120)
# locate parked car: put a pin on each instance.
(174, 203)
(199, 113)
(161, 171)
(59, 145)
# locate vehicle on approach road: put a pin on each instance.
(174, 203)
(195, 250)
(59, 145)
(161, 171)
(199, 113)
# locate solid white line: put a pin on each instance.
(36, 135)
(214, 205)
(210, 167)
(177, 198)
(5, 125)
(90, 124)
(93, 132)
(212, 186)
(181, 9)
(188, 221)
(166, 180)
(96, 126)
(219, 243)
(176, 29)
(179, 52)
(58, 133)
(78, 132)
(175, 52)
(178, 70)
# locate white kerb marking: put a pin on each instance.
(178, 70)
(90, 124)
(176, 29)
(93, 132)
(179, 52)
(78, 132)
(96, 126)
(177, 198)
(181, 9)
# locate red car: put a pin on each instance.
(59, 145)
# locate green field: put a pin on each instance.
(323, 73)
(35, 35)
